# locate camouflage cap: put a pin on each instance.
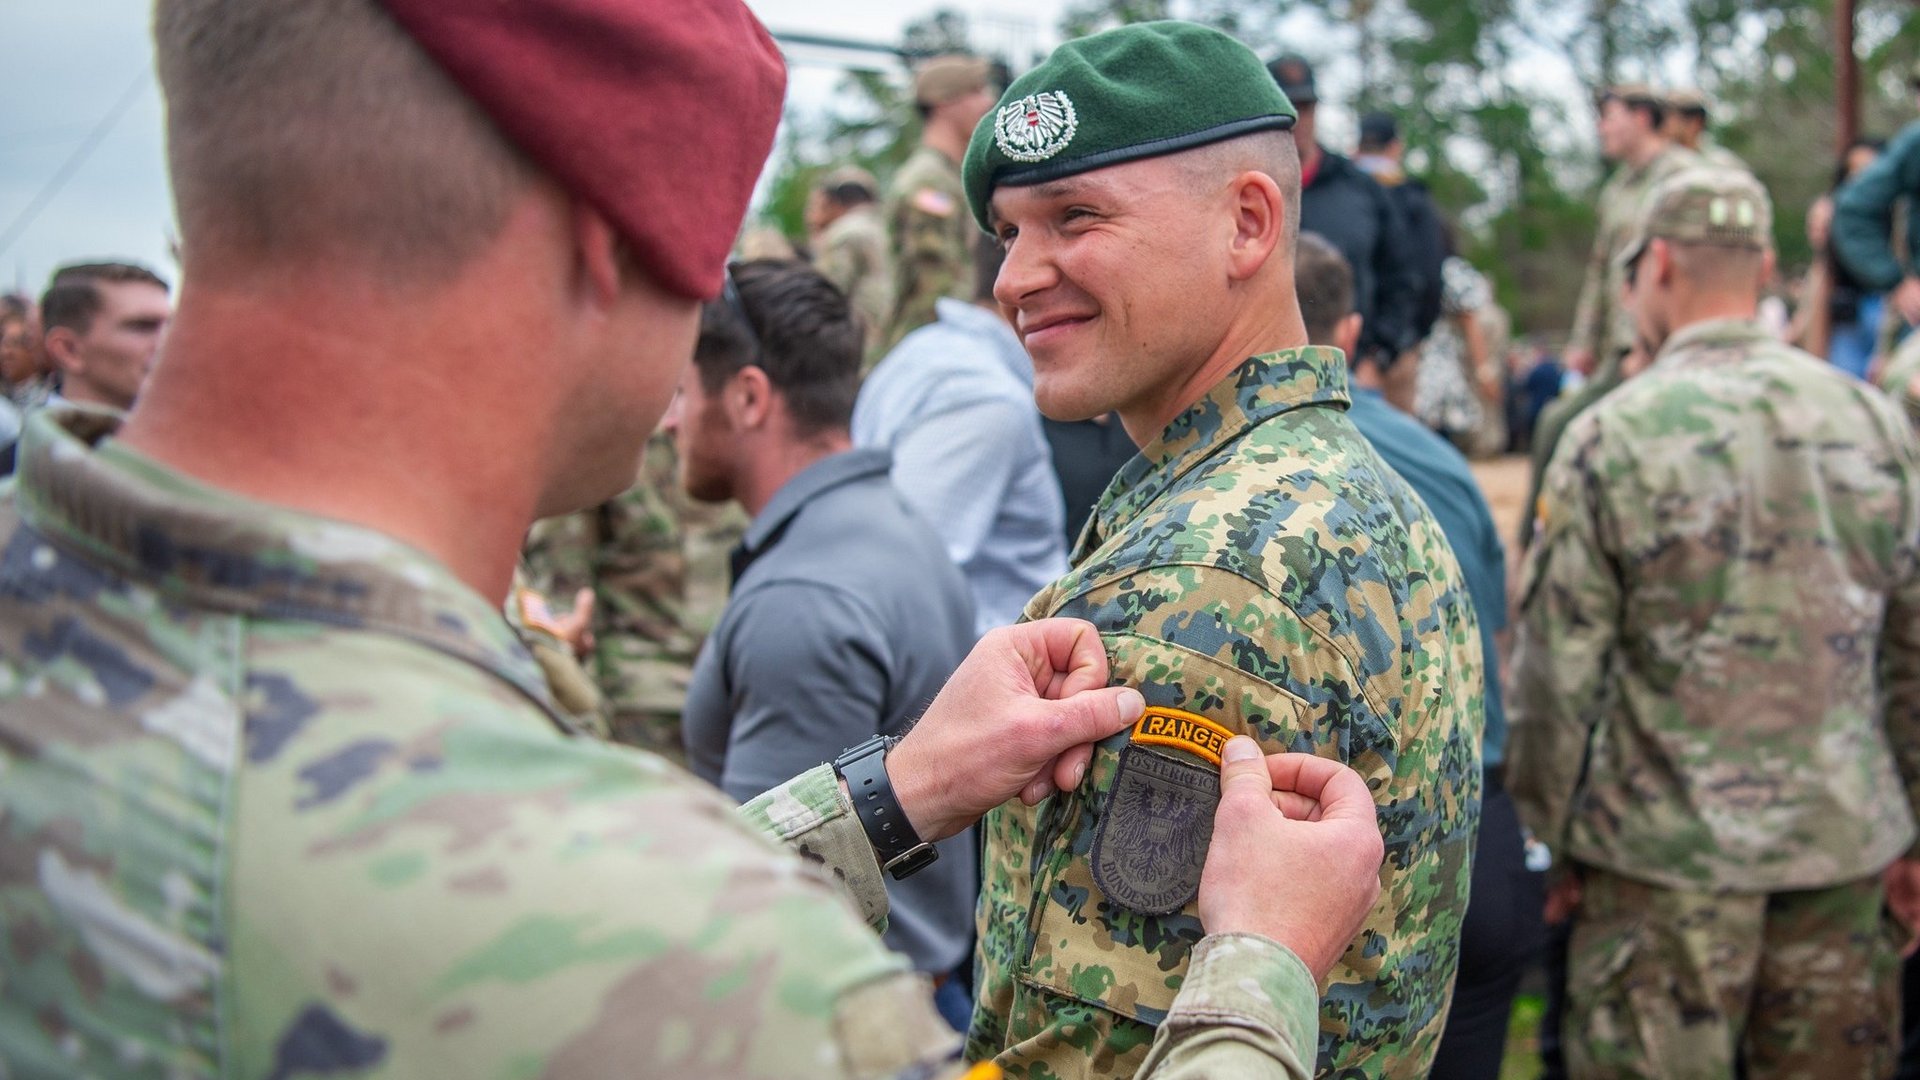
(1137, 92)
(948, 78)
(1686, 99)
(1705, 205)
(1632, 93)
(849, 176)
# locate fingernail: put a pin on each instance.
(1239, 748)
(1131, 704)
(1079, 773)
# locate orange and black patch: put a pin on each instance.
(1182, 731)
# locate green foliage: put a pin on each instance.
(1514, 168)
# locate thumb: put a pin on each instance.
(1243, 771)
(1092, 715)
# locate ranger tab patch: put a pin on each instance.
(1182, 731)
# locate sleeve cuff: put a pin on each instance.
(1250, 981)
(811, 815)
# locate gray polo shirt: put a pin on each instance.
(846, 618)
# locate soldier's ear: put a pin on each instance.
(1259, 220)
(63, 348)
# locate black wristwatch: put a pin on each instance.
(901, 851)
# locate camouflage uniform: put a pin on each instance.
(1601, 323)
(1716, 708)
(281, 797)
(854, 254)
(572, 689)
(656, 561)
(1900, 377)
(1259, 566)
(933, 238)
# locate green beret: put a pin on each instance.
(1136, 92)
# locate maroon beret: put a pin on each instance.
(658, 114)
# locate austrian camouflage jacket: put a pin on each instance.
(1259, 570)
(1717, 667)
(279, 796)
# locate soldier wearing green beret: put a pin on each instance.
(1716, 693)
(925, 208)
(1256, 570)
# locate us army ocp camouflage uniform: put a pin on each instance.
(855, 254)
(280, 797)
(933, 238)
(1717, 704)
(1258, 566)
(1601, 323)
(656, 561)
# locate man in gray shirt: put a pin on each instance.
(846, 615)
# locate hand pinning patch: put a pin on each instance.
(1036, 127)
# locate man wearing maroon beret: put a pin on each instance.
(280, 793)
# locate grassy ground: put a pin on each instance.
(1523, 1040)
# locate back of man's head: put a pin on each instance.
(1325, 284)
(317, 129)
(73, 295)
(799, 329)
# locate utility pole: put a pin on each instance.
(1846, 76)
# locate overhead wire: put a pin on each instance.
(76, 159)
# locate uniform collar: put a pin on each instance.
(210, 548)
(1712, 333)
(1260, 389)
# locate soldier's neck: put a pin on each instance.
(1640, 155)
(288, 405)
(951, 145)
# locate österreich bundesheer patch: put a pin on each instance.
(1151, 843)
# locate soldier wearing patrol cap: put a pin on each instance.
(1256, 570)
(1716, 692)
(851, 248)
(1629, 119)
(1686, 125)
(926, 207)
(282, 795)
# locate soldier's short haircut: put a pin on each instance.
(1271, 152)
(849, 194)
(302, 129)
(798, 328)
(73, 295)
(1324, 281)
(1716, 268)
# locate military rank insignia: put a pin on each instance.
(1151, 843)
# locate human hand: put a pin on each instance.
(1563, 898)
(576, 626)
(1019, 717)
(1295, 854)
(1903, 899)
(1905, 299)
